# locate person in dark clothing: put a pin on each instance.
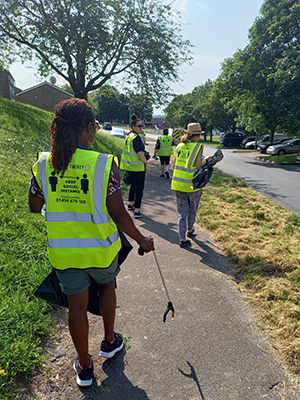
(134, 161)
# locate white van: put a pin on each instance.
(265, 139)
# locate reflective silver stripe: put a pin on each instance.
(42, 172)
(191, 170)
(132, 162)
(192, 157)
(181, 168)
(97, 189)
(79, 217)
(164, 151)
(175, 178)
(83, 243)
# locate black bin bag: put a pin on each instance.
(202, 176)
(50, 288)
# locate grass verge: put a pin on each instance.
(262, 242)
(24, 319)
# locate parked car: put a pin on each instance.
(298, 158)
(247, 140)
(232, 139)
(107, 126)
(117, 132)
(265, 139)
(289, 147)
(263, 146)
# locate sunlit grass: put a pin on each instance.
(287, 158)
(262, 241)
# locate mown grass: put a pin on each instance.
(286, 159)
(262, 241)
(24, 319)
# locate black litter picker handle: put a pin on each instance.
(141, 252)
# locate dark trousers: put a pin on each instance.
(137, 187)
(164, 160)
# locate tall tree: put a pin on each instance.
(275, 37)
(87, 42)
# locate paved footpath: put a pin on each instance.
(212, 350)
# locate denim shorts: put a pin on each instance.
(74, 280)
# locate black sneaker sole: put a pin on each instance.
(111, 353)
(185, 244)
(80, 382)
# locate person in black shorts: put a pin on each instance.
(164, 150)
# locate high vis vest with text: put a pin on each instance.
(165, 148)
(185, 166)
(130, 161)
(81, 233)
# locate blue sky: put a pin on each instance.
(217, 28)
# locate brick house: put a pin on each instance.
(44, 96)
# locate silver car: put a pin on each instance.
(298, 158)
(289, 147)
(117, 132)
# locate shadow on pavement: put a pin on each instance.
(193, 376)
(209, 256)
(116, 386)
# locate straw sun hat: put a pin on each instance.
(194, 129)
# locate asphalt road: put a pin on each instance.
(280, 183)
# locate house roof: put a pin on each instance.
(44, 84)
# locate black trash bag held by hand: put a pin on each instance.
(127, 178)
(203, 175)
(50, 288)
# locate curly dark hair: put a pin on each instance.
(134, 120)
(71, 117)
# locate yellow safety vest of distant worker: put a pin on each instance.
(185, 166)
(165, 148)
(130, 161)
(76, 202)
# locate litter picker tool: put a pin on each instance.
(170, 307)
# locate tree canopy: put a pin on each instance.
(258, 88)
(88, 42)
(111, 105)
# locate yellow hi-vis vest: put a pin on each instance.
(130, 161)
(185, 166)
(81, 233)
(165, 148)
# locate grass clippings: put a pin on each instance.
(262, 241)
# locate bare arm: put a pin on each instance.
(123, 220)
(199, 162)
(35, 203)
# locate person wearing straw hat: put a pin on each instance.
(188, 159)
